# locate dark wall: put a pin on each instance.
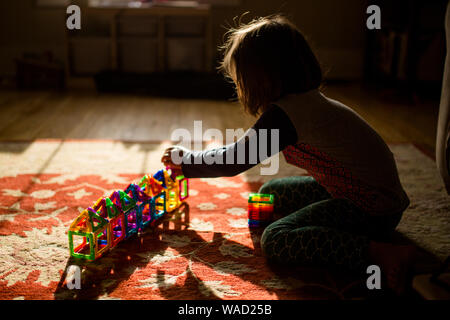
(335, 28)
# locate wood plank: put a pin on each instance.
(85, 114)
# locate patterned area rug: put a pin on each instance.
(205, 251)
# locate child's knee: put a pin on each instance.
(268, 240)
(278, 246)
(274, 185)
(265, 188)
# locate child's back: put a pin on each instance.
(343, 152)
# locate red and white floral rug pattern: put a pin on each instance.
(45, 184)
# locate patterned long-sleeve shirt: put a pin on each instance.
(328, 139)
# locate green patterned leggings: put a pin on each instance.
(318, 230)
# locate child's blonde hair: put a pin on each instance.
(266, 59)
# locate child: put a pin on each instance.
(353, 198)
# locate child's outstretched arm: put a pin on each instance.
(195, 163)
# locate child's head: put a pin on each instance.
(268, 58)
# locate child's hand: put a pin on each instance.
(167, 159)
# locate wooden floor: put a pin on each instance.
(85, 114)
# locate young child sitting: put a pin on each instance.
(353, 199)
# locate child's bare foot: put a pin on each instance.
(395, 262)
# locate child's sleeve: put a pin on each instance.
(229, 160)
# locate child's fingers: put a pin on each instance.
(171, 165)
(169, 151)
(166, 159)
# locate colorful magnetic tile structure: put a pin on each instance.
(124, 213)
(260, 209)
